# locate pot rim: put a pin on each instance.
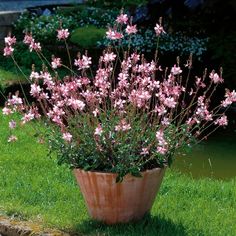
(115, 174)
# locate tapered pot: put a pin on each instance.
(113, 202)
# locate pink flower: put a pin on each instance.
(131, 29)
(161, 110)
(98, 130)
(12, 124)
(144, 152)
(200, 83)
(35, 90)
(8, 51)
(85, 81)
(12, 138)
(15, 100)
(202, 110)
(6, 111)
(215, 78)
(113, 34)
(135, 57)
(122, 19)
(28, 39)
(76, 104)
(34, 111)
(67, 137)
(230, 98)
(27, 117)
(162, 150)
(200, 101)
(165, 121)
(190, 121)
(162, 144)
(57, 119)
(9, 41)
(175, 70)
(83, 63)
(159, 30)
(119, 104)
(47, 80)
(95, 112)
(208, 116)
(44, 96)
(122, 126)
(56, 62)
(147, 68)
(170, 102)
(58, 111)
(160, 137)
(34, 46)
(139, 97)
(108, 57)
(34, 75)
(62, 34)
(222, 121)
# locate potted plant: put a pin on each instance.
(118, 124)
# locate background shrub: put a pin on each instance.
(87, 36)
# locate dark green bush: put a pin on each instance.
(117, 4)
(87, 37)
(223, 52)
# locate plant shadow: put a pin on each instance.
(149, 225)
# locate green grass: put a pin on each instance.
(33, 187)
(8, 78)
(87, 37)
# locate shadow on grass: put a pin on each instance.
(149, 225)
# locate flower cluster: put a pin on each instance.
(62, 34)
(123, 20)
(30, 41)
(9, 43)
(159, 29)
(127, 108)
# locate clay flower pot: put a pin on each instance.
(112, 202)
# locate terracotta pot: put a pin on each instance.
(113, 202)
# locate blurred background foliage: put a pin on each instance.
(214, 19)
(205, 28)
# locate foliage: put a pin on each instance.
(122, 157)
(178, 43)
(117, 4)
(212, 19)
(219, 16)
(98, 17)
(87, 36)
(44, 28)
(222, 49)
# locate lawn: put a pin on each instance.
(8, 78)
(33, 187)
